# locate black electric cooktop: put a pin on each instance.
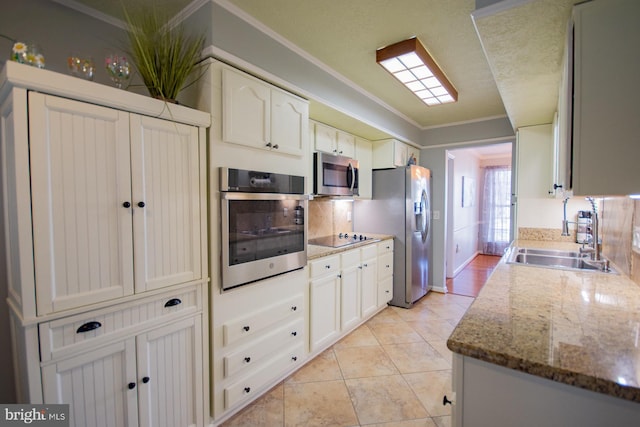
(342, 239)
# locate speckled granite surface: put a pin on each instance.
(314, 251)
(578, 328)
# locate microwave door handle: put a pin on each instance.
(353, 177)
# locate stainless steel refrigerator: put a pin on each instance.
(401, 207)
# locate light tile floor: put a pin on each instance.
(391, 371)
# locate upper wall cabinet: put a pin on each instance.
(334, 141)
(116, 202)
(606, 66)
(391, 153)
(259, 115)
(535, 160)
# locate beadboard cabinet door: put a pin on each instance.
(170, 376)
(81, 185)
(96, 386)
(166, 202)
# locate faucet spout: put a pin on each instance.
(565, 223)
(596, 256)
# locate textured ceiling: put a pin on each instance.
(510, 65)
(524, 46)
(344, 35)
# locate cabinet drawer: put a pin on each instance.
(369, 251)
(350, 258)
(385, 246)
(253, 384)
(256, 352)
(257, 321)
(324, 265)
(70, 334)
(385, 265)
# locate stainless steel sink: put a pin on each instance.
(551, 252)
(565, 260)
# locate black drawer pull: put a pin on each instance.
(247, 359)
(132, 386)
(145, 379)
(246, 328)
(247, 390)
(294, 308)
(172, 302)
(89, 326)
(294, 358)
(294, 333)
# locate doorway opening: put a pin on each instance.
(478, 212)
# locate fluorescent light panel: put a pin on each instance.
(410, 63)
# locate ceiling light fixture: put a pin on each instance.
(409, 62)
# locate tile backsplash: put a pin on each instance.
(329, 216)
(620, 218)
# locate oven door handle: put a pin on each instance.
(262, 196)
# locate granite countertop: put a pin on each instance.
(574, 327)
(315, 251)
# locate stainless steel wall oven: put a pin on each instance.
(264, 225)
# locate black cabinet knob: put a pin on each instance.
(145, 379)
(445, 401)
(141, 204)
(89, 326)
(247, 389)
(269, 144)
(126, 205)
(294, 333)
(246, 328)
(276, 146)
(131, 386)
(247, 359)
(294, 308)
(294, 358)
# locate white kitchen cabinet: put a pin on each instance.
(369, 280)
(261, 341)
(350, 285)
(385, 272)
(391, 153)
(535, 156)
(334, 141)
(364, 155)
(526, 400)
(96, 385)
(346, 289)
(104, 213)
(324, 301)
(113, 187)
(259, 115)
(153, 379)
(606, 92)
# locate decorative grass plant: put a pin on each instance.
(165, 56)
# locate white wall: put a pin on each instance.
(549, 212)
(465, 219)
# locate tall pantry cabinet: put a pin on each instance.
(104, 223)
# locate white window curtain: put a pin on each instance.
(496, 210)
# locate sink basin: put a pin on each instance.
(565, 260)
(551, 252)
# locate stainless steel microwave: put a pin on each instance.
(334, 175)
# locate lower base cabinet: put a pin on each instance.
(346, 289)
(152, 379)
(524, 400)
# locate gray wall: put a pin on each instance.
(441, 139)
